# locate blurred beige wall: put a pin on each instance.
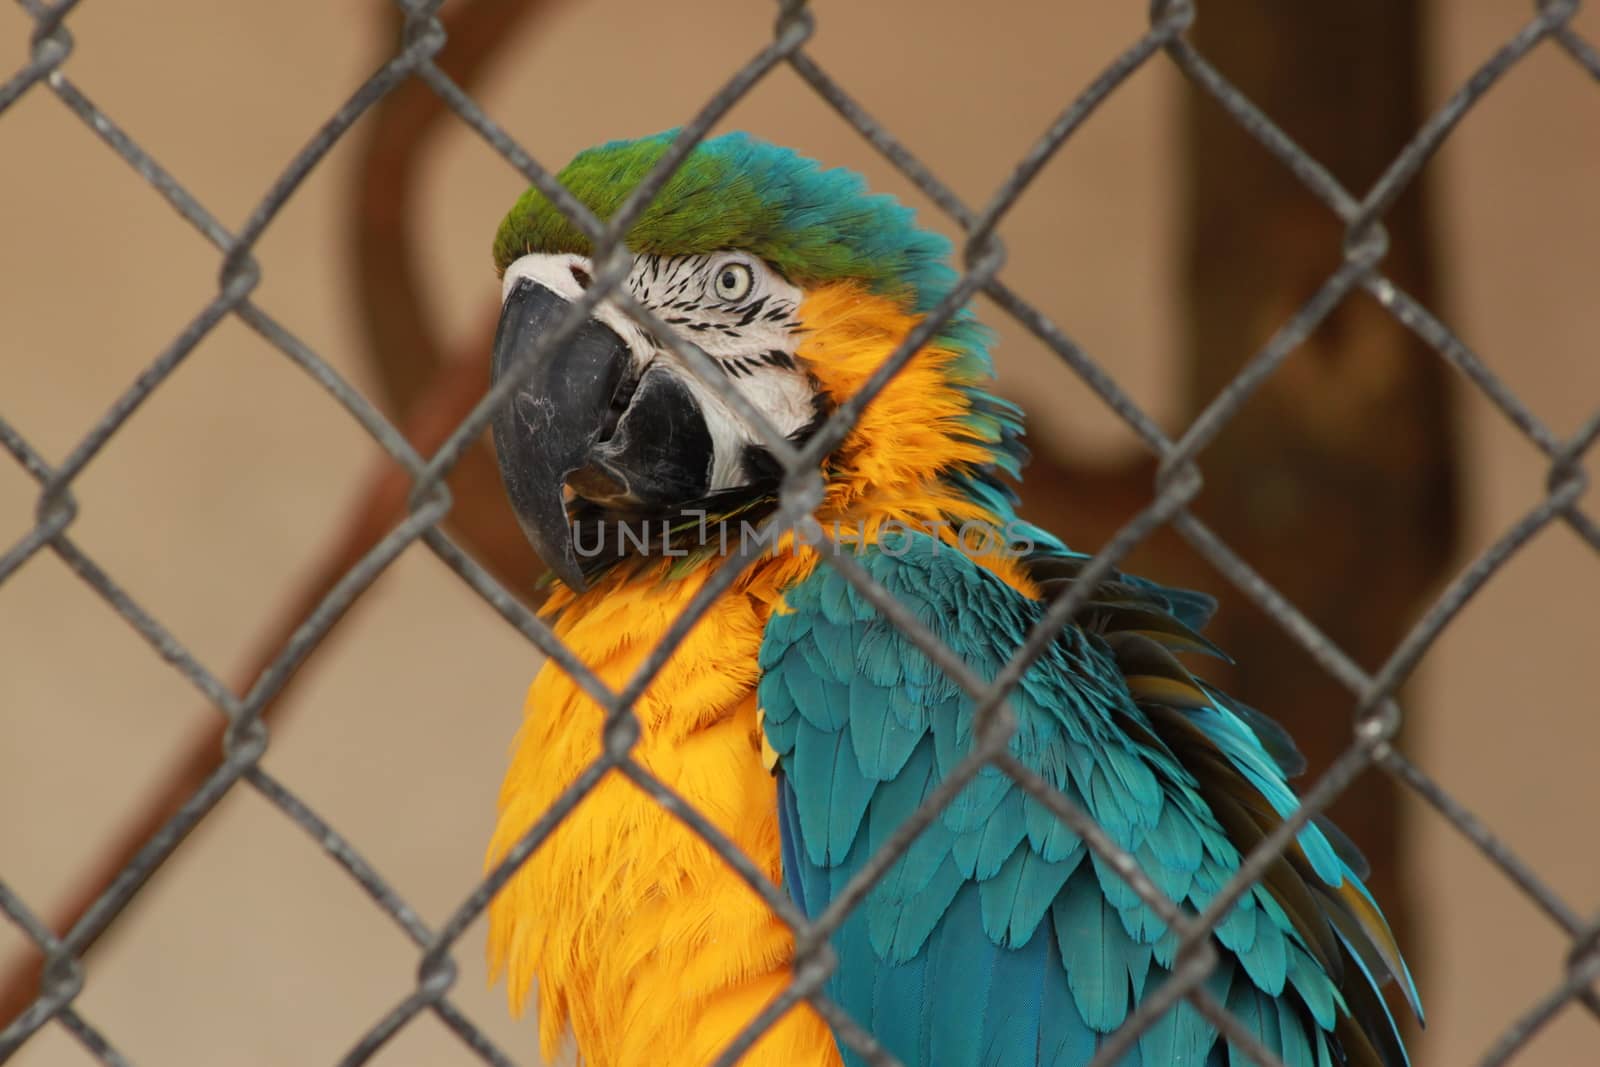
(250, 947)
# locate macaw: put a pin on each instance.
(806, 727)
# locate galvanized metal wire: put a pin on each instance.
(1376, 713)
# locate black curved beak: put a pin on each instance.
(587, 416)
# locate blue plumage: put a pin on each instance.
(997, 939)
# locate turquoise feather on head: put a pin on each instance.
(814, 224)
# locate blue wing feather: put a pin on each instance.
(881, 740)
(894, 803)
(962, 975)
(1065, 1040)
(1048, 835)
(1016, 899)
(1011, 1024)
(1093, 946)
(990, 941)
(1182, 1036)
(828, 758)
(897, 996)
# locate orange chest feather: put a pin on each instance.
(639, 938)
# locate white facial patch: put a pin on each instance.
(568, 276)
(734, 307)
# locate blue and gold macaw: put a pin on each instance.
(806, 727)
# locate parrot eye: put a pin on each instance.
(732, 281)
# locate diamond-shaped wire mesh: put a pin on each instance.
(1377, 713)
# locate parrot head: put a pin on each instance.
(798, 284)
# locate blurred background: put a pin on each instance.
(1168, 245)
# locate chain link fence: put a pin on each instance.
(1376, 713)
